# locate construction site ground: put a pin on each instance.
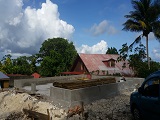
(20, 105)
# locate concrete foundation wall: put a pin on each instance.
(66, 97)
(14, 77)
(38, 81)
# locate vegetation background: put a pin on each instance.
(58, 54)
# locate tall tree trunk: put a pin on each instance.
(148, 59)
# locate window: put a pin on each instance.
(109, 63)
(151, 88)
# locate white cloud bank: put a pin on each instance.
(101, 28)
(99, 48)
(22, 31)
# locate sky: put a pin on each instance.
(92, 25)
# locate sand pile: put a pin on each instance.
(12, 103)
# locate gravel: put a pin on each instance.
(115, 108)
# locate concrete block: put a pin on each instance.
(57, 92)
(33, 87)
(67, 95)
(18, 84)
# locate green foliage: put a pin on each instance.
(6, 64)
(33, 60)
(123, 53)
(112, 50)
(137, 60)
(21, 65)
(52, 64)
(57, 55)
(143, 71)
(137, 57)
(1, 68)
(144, 18)
(107, 73)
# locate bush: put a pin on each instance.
(143, 71)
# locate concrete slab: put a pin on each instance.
(42, 89)
(67, 98)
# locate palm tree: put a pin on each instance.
(146, 19)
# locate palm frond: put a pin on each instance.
(144, 18)
(143, 24)
(131, 25)
(137, 40)
(139, 7)
(156, 29)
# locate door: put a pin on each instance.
(150, 101)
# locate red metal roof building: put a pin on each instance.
(101, 64)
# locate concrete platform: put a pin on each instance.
(67, 98)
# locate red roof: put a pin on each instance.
(36, 75)
(10, 75)
(72, 73)
(95, 62)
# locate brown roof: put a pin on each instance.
(96, 62)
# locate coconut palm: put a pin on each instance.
(146, 19)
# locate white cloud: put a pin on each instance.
(101, 28)
(151, 36)
(156, 54)
(22, 31)
(99, 48)
(111, 30)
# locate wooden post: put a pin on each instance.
(48, 114)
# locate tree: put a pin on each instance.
(33, 60)
(112, 50)
(52, 65)
(7, 64)
(123, 53)
(57, 55)
(1, 67)
(136, 59)
(146, 19)
(21, 66)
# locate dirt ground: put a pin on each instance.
(13, 103)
